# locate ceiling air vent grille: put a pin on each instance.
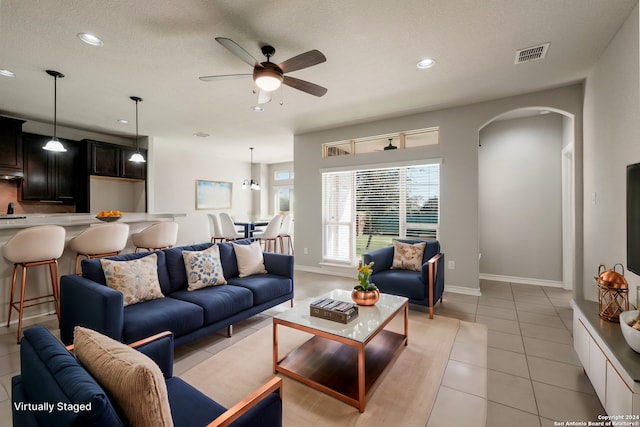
(531, 53)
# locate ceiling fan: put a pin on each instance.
(269, 76)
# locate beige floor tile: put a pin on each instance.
(470, 345)
(511, 390)
(548, 333)
(186, 359)
(560, 404)
(559, 374)
(547, 309)
(496, 302)
(563, 302)
(10, 364)
(545, 422)
(505, 341)
(465, 377)
(507, 362)
(451, 296)
(503, 416)
(498, 293)
(501, 325)
(532, 299)
(4, 393)
(467, 317)
(550, 350)
(494, 284)
(452, 305)
(500, 313)
(456, 408)
(540, 319)
(527, 289)
(5, 411)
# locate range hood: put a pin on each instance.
(8, 174)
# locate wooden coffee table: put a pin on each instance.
(343, 360)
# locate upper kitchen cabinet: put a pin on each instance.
(11, 147)
(113, 160)
(50, 176)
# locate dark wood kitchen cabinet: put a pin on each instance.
(113, 160)
(11, 146)
(50, 176)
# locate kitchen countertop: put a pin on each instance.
(17, 221)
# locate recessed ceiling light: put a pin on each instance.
(90, 39)
(7, 73)
(202, 134)
(257, 109)
(123, 121)
(426, 63)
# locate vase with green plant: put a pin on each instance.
(365, 292)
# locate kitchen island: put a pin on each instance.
(74, 224)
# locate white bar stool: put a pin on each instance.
(99, 241)
(157, 236)
(31, 247)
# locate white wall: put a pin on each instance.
(116, 194)
(458, 148)
(611, 142)
(520, 198)
(174, 167)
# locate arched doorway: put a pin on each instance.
(526, 197)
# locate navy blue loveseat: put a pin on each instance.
(87, 301)
(51, 375)
(423, 287)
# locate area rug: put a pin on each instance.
(404, 397)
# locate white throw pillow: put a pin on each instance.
(137, 279)
(203, 268)
(250, 259)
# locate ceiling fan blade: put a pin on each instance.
(304, 60)
(305, 86)
(223, 77)
(264, 97)
(237, 50)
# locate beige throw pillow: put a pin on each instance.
(250, 259)
(408, 256)
(133, 380)
(137, 279)
(203, 268)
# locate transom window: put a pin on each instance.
(402, 140)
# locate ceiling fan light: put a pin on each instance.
(268, 82)
(137, 158)
(54, 145)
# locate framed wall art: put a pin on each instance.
(213, 194)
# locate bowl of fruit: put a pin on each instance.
(630, 325)
(109, 216)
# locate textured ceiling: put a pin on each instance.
(157, 49)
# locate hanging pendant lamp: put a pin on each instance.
(54, 144)
(137, 156)
(251, 184)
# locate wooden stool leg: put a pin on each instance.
(24, 282)
(78, 264)
(55, 286)
(13, 288)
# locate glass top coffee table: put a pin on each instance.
(343, 360)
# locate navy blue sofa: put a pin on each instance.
(423, 287)
(87, 301)
(51, 375)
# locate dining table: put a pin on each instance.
(250, 226)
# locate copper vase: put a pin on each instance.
(365, 297)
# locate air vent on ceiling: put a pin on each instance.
(531, 53)
(201, 134)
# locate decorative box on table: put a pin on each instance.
(335, 310)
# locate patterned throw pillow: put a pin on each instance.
(203, 268)
(408, 256)
(137, 279)
(132, 379)
(249, 258)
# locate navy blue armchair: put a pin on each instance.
(52, 376)
(423, 287)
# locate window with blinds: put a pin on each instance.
(364, 210)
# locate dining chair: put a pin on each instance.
(270, 234)
(228, 228)
(214, 229)
(285, 233)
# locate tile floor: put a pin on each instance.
(528, 376)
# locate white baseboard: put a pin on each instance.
(522, 280)
(462, 290)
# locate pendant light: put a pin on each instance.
(53, 144)
(252, 185)
(136, 157)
